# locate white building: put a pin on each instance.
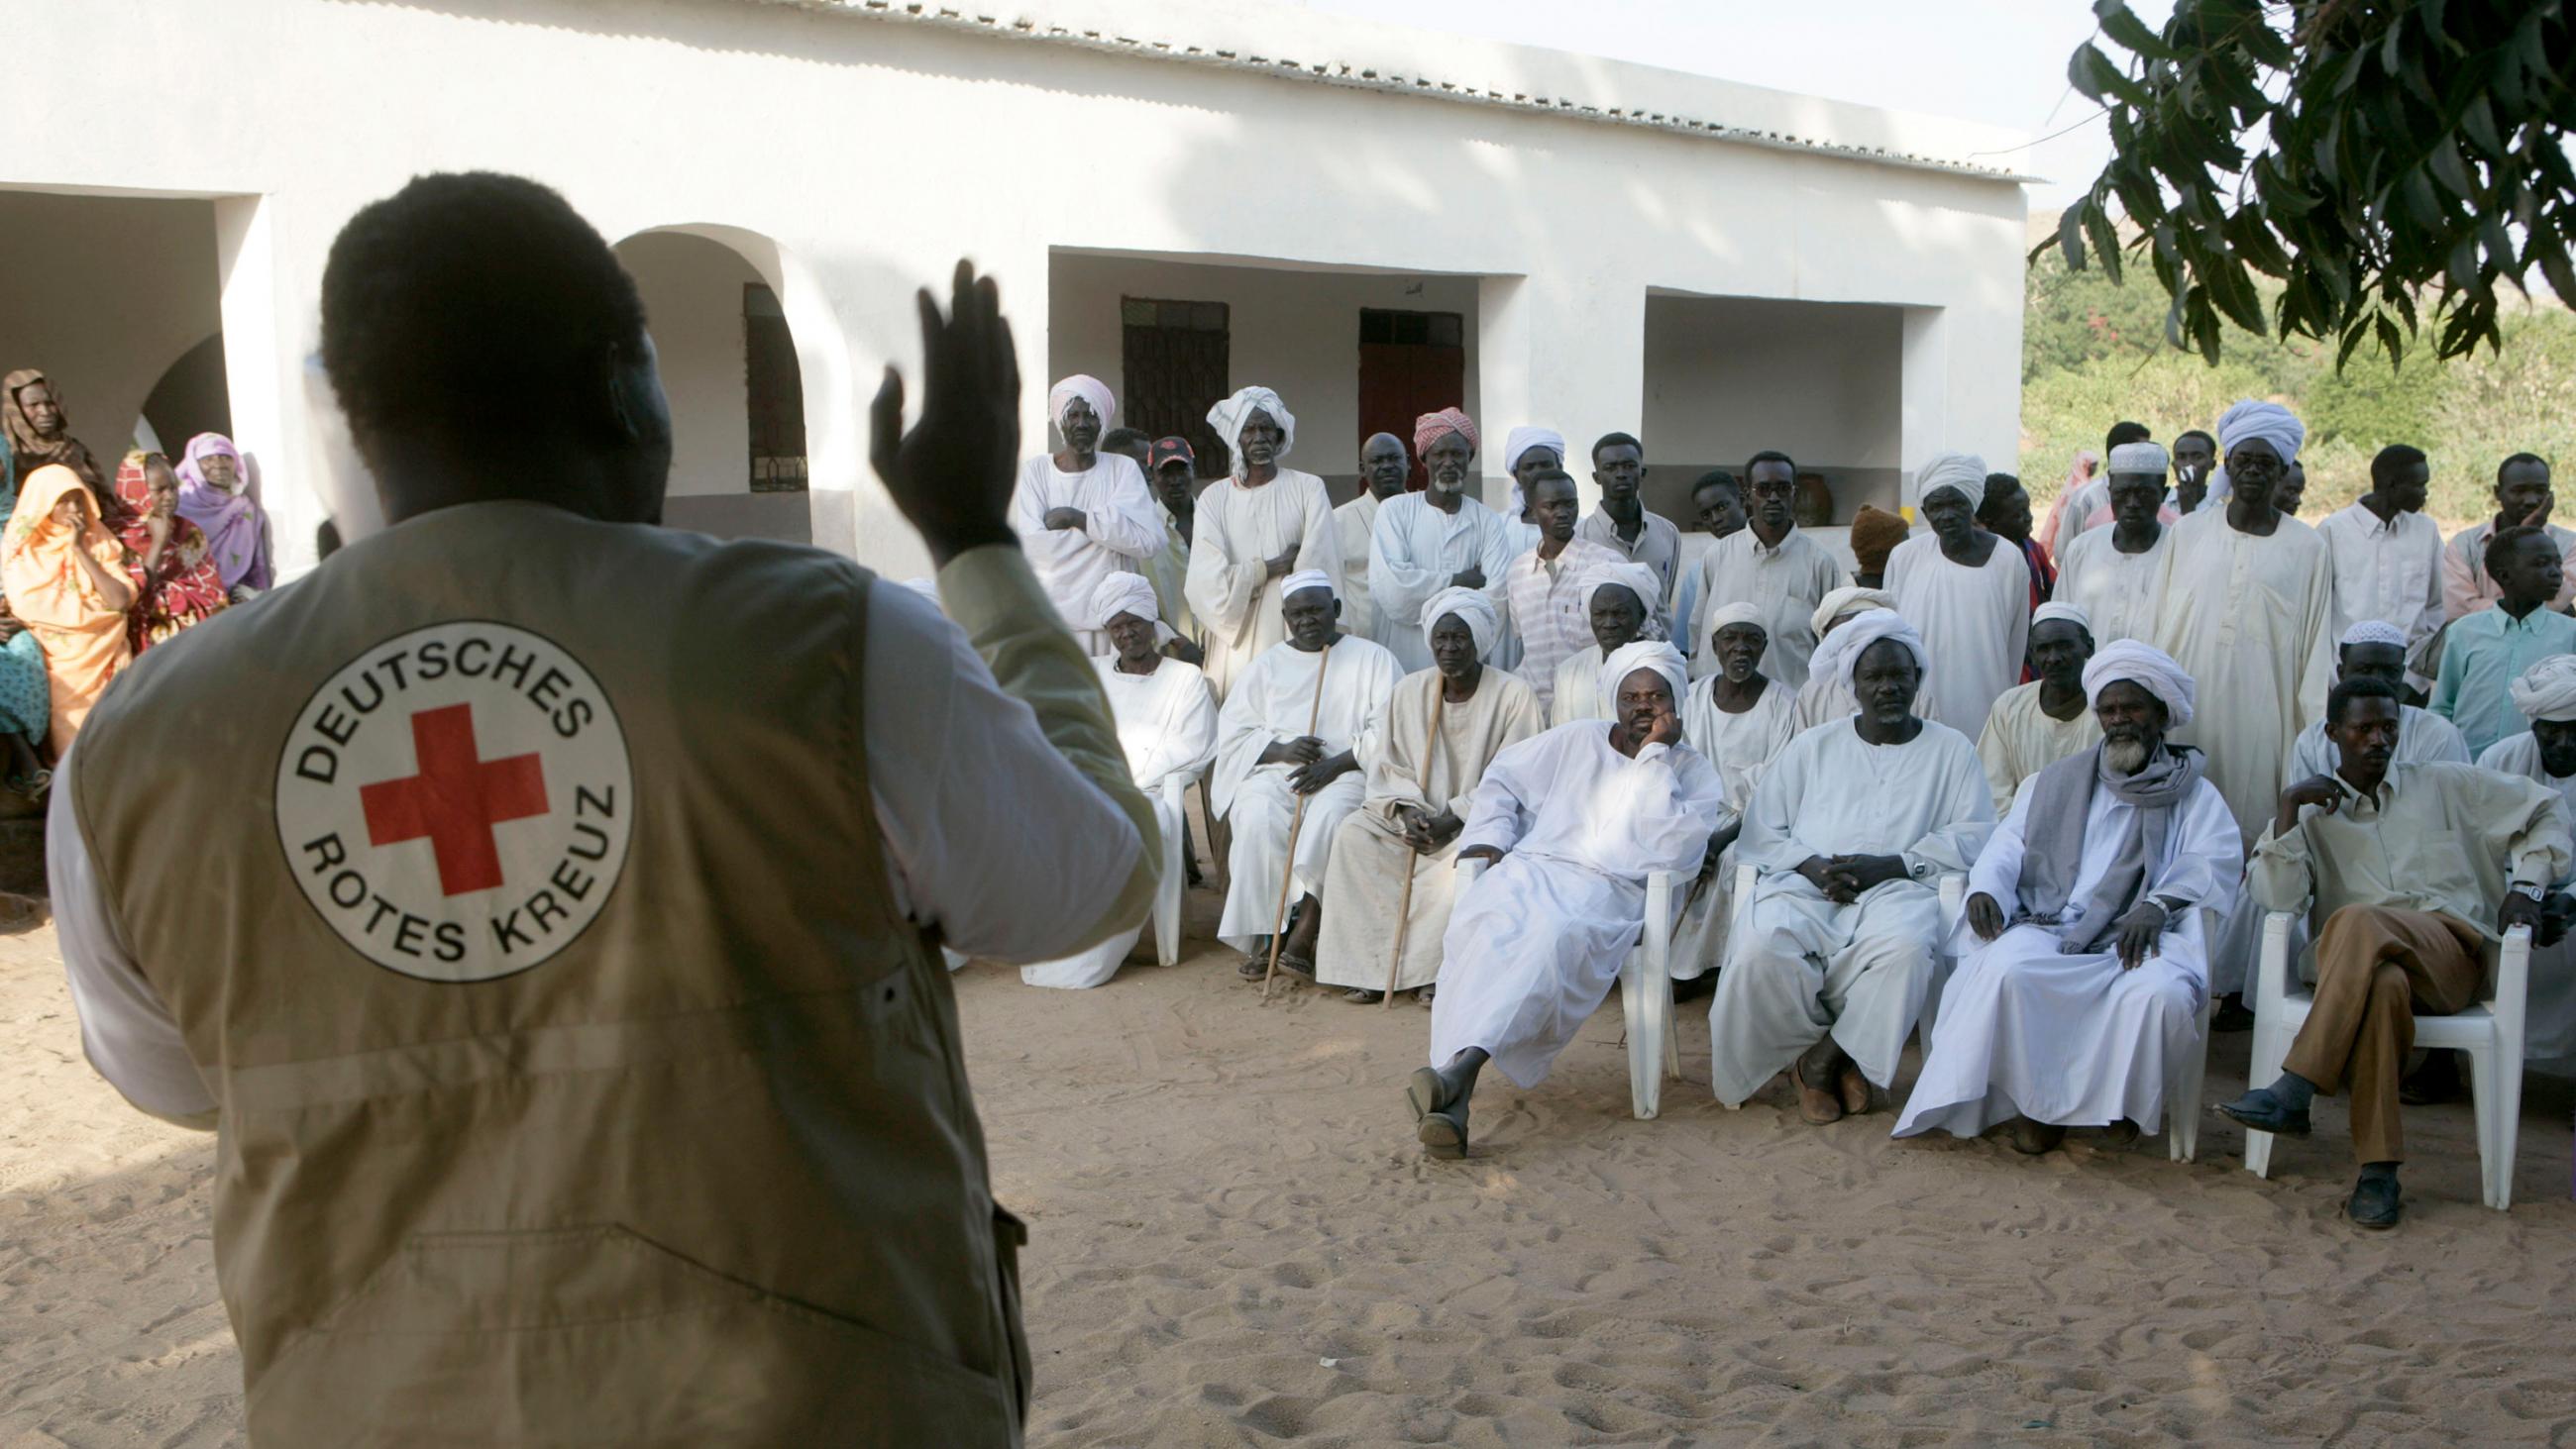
(1177, 197)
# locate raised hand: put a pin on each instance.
(952, 472)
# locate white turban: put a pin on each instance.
(2141, 458)
(2547, 690)
(1227, 419)
(1474, 608)
(1652, 654)
(2147, 667)
(1521, 440)
(2372, 631)
(1308, 579)
(1848, 600)
(2270, 422)
(1637, 579)
(2054, 610)
(1086, 387)
(1840, 653)
(1122, 593)
(1963, 471)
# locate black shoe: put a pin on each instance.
(2231, 1015)
(2263, 1112)
(2375, 1204)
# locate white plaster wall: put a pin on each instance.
(871, 153)
(105, 294)
(692, 291)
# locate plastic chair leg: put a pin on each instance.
(1646, 1033)
(2489, 1093)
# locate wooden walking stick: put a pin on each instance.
(1404, 898)
(1296, 822)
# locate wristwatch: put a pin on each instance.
(2530, 892)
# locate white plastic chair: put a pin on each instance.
(1176, 876)
(1953, 892)
(2489, 1031)
(1645, 995)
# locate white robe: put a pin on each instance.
(1822, 700)
(1237, 532)
(2020, 740)
(1122, 531)
(1804, 966)
(1975, 623)
(2549, 1009)
(1364, 880)
(1741, 747)
(1534, 945)
(1415, 550)
(2077, 1040)
(1272, 701)
(2119, 592)
(1785, 583)
(1166, 726)
(2248, 619)
(1352, 523)
(1577, 694)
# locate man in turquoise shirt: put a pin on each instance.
(2486, 651)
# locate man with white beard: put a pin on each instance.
(1439, 538)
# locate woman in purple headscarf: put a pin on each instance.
(219, 492)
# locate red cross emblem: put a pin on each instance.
(455, 800)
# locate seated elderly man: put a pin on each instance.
(1166, 717)
(1620, 599)
(2035, 725)
(2546, 755)
(1739, 720)
(1292, 729)
(2088, 989)
(1824, 698)
(1850, 827)
(1576, 819)
(2399, 868)
(1443, 726)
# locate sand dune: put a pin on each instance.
(1236, 1241)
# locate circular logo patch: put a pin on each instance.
(457, 801)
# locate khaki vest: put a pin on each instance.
(689, 1158)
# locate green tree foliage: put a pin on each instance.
(2357, 154)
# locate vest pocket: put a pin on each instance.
(596, 1335)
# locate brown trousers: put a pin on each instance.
(2376, 969)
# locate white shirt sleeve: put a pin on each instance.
(990, 834)
(128, 1034)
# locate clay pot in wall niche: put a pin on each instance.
(1813, 506)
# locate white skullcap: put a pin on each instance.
(1086, 387)
(1963, 471)
(1738, 614)
(2547, 690)
(1840, 654)
(1637, 579)
(2141, 458)
(2147, 667)
(1474, 608)
(1652, 654)
(1305, 579)
(1227, 418)
(1521, 440)
(2056, 610)
(2270, 422)
(1122, 593)
(2372, 631)
(1848, 600)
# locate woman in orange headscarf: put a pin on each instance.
(175, 583)
(65, 576)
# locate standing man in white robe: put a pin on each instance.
(2546, 754)
(2387, 558)
(1545, 587)
(1082, 514)
(1619, 601)
(1384, 470)
(1436, 539)
(1851, 828)
(1824, 697)
(1166, 718)
(1574, 821)
(1770, 565)
(1296, 725)
(1254, 527)
(2247, 611)
(2035, 725)
(1966, 591)
(1739, 721)
(2084, 996)
(1417, 804)
(2116, 574)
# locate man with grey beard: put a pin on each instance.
(2085, 993)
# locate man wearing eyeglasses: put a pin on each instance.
(1770, 565)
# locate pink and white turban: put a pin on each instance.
(1086, 387)
(1431, 427)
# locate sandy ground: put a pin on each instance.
(1237, 1242)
